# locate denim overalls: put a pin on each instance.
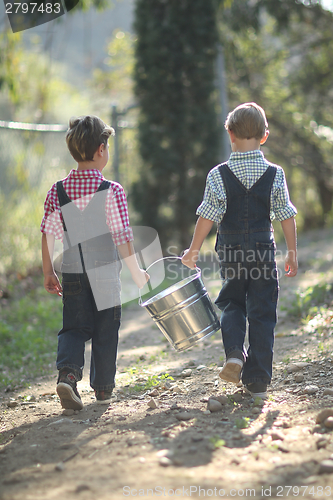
(91, 290)
(246, 250)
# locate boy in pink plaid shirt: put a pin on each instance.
(90, 215)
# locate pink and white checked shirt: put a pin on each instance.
(81, 185)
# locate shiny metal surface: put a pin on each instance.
(184, 312)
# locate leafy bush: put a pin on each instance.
(311, 298)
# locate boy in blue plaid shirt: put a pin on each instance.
(243, 196)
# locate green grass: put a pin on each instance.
(307, 302)
(151, 382)
(28, 337)
(242, 423)
(216, 442)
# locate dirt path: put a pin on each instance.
(180, 448)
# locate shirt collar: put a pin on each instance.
(86, 174)
(248, 155)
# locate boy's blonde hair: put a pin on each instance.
(84, 136)
(247, 121)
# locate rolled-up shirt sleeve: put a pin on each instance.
(214, 203)
(51, 222)
(282, 207)
(117, 216)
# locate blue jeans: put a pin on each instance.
(82, 322)
(249, 293)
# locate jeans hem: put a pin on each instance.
(237, 349)
(109, 387)
(77, 370)
(252, 380)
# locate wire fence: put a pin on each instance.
(31, 159)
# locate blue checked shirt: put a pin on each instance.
(248, 168)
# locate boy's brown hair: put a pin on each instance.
(247, 121)
(84, 135)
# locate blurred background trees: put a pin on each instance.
(178, 128)
(283, 60)
(277, 53)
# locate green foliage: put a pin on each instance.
(28, 337)
(310, 298)
(242, 423)
(151, 382)
(10, 56)
(117, 82)
(178, 133)
(240, 14)
(154, 380)
(30, 161)
(216, 442)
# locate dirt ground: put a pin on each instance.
(180, 448)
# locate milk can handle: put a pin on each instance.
(197, 269)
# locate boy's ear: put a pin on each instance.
(264, 139)
(101, 149)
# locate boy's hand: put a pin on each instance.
(140, 278)
(291, 265)
(52, 284)
(190, 258)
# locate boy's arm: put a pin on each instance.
(127, 253)
(51, 281)
(289, 231)
(201, 231)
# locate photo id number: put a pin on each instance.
(30, 8)
(299, 491)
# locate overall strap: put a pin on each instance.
(103, 185)
(248, 210)
(63, 200)
(268, 175)
(62, 195)
(222, 168)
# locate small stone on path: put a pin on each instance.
(311, 389)
(82, 487)
(165, 461)
(237, 396)
(68, 412)
(329, 423)
(184, 415)
(214, 405)
(277, 436)
(296, 367)
(221, 399)
(326, 467)
(12, 403)
(196, 438)
(323, 415)
(298, 377)
(152, 404)
(186, 373)
(322, 443)
(328, 392)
